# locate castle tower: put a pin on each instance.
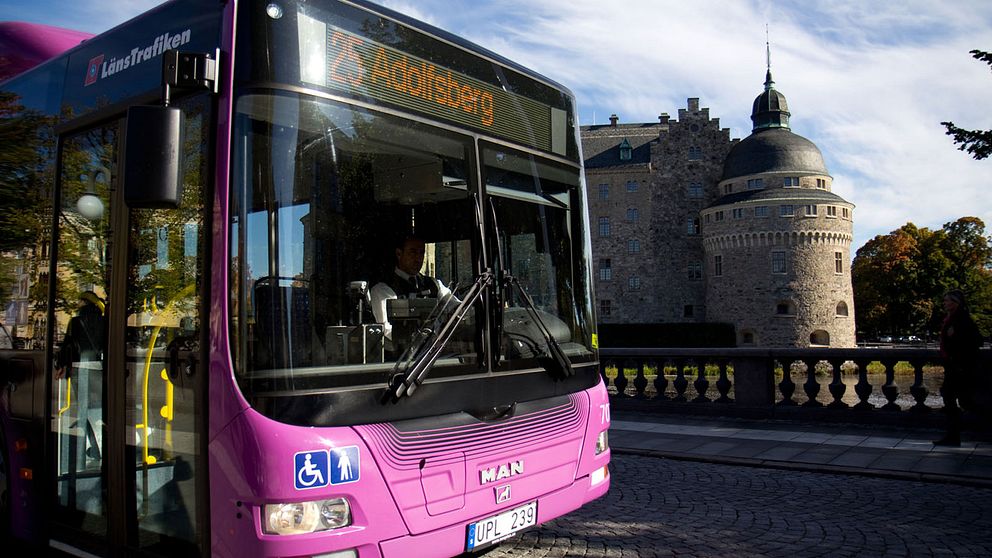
(777, 241)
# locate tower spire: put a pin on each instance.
(769, 84)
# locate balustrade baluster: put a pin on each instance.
(680, 382)
(701, 383)
(724, 384)
(918, 389)
(890, 390)
(787, 387)
(863, 388)
(640, 380)
(837, 387)
(811, 386)
(621, 381)
(661, 382)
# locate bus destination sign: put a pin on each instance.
(337, 59)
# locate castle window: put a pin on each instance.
(747, 337)
(695, 153)
(695, 271)
(838, 262)
(695, 190)
(761, 211)
(717, 266)
(790, 182)
(738, 213)
(821, 183)
(844, 212)
(819, 337)
(604, 191)
(632, 185)
(831, 211)
(786, 210)
(632, 214)
(755, 184)
(778, 262)
(634, 283)
(718, 216)
(728, 188)
(688, 311)
(842, 309)
(692, 225)
(785, 308)
(605, 306)
(605, 270)
(633, 246)
(707, 217)
(604, 226)
(625, 150)
(811, 211)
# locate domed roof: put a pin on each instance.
(770, 109)
(772, 147)
(773, 150)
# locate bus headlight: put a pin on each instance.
(602, 442)
(306, 517)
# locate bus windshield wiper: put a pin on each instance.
(558, 365)
(428, 349)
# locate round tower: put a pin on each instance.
(777, 242)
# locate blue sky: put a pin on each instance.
(868, 81)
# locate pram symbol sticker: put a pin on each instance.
(345, 465)
(311, 469)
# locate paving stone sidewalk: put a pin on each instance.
(848, 449)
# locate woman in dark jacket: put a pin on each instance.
(960, 342)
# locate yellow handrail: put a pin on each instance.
(68, 396)
(167, 411)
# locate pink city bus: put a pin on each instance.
(289, 278)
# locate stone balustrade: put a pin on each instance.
(863, 385)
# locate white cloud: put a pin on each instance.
(869, 83)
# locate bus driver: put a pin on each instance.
(406, 281)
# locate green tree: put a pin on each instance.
(900, 278)
(976, 142)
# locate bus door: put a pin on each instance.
(128, 390)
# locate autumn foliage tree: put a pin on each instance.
(900, 278)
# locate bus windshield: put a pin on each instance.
(337, 209)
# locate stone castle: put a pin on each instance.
(690, 226)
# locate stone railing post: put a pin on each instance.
(660, 381)
(640, 380)
(621, 381)
(918, 390)
(811, 387)
(863, 388)
(723, 384)
(680, 382)
(890, 390)
(754, 381)
(701, 383)
(786, 386)
(837, 387)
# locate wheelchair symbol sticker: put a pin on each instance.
(311, 469)
(345, 465)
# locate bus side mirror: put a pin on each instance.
(153, 157)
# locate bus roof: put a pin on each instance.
(26, 45)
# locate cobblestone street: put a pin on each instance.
(663, 507)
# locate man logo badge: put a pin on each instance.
(502, 494)
(503, 471)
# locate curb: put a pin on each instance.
(809, 467)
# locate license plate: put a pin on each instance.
(500, 526)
